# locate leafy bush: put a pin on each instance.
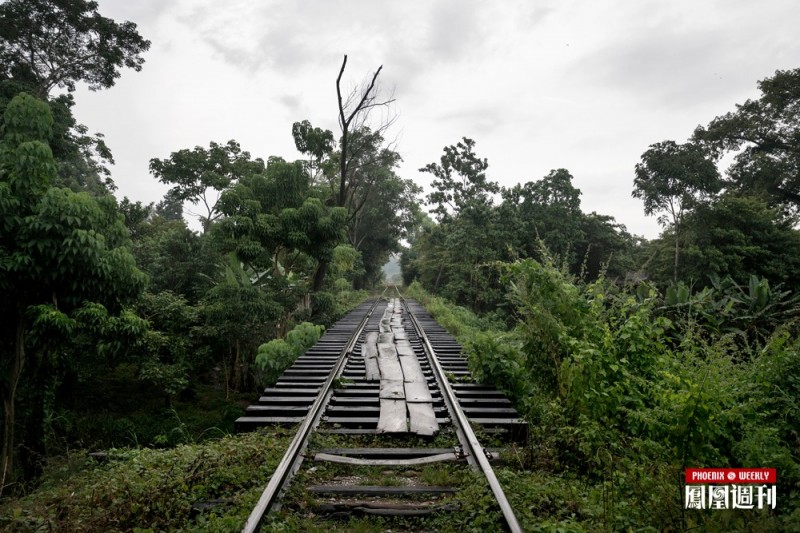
(323, 308)
(552, 313)
(498, 358)
(279, 354)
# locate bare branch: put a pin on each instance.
(354, 111)
(339, 92)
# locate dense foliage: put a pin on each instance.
(63, 260)
(58, 44)
(763, 135)
(455, 257)
(624, 389)
(100, 291)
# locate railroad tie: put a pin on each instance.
(405, 400)
(369, 350)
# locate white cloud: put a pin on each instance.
(585, 86)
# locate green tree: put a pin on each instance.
(673, 178)
(46, 44)
(765, 134)
(82, 159)
(382, 224)
(174, 257)
(136, 214)
(280, 234)
(606, 247)
(740, 236)
(460, 180)
(200, 175)
(276, 224)
(238, 316)
(454, 257)
(65, 348)
(171, 346)
(316, 143)
(359, 171)
(58, 249)
(381, 205)
(170, 207)
(410, 256)
(58, 43)
(548, 211)
(458, 257)
(371, 167)
(556, 190)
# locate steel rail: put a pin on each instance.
(398, 292)
(470, 441)
(293, 457)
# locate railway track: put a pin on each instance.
(384, 404)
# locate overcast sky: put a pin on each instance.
(539, 85)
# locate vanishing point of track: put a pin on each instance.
(326, 391)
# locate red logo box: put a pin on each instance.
(731, 475)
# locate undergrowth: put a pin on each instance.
(622, 394)
(211, 486)
(120, 411)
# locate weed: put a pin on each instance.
(341, 382)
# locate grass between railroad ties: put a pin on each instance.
(469, 509)
(212, 486)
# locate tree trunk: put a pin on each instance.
(438, 275)
(8, 439)
(237, 368)
(365, 103)
(677, 251)
(344, 123)
(226, 377)
(319, 276)
(9, 401)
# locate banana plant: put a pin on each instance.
(753, 310)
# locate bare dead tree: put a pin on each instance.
(358, 150)
(354, 115)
